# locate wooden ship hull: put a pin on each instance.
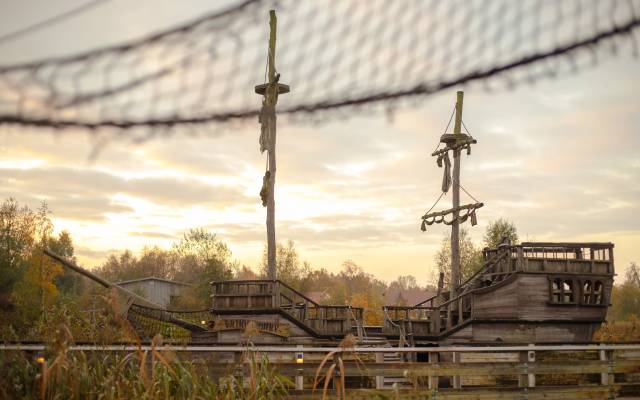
(528, 293)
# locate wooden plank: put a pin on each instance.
(586, 392)
(292, 349)
(401, 369)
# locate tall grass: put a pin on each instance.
(152, 374)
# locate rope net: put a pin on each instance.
(174, 326)
(337, 56)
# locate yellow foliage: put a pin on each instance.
(37, 288)
(619, 331)
(372, 307)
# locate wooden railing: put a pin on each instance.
(582, 258)
(428, 321)
(439, 314)
(461, 372)
(251, 295)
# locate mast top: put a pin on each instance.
(452, 139)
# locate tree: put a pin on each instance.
(498, 231)
(404, 283)
(632, 275)
(201, 259)
(68, 282)
(36, 291)
(120, 267)
(625, 298)
(470, 257)
(17, 239)
(289, 269)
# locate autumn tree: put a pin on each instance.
(289, 268)
(201, 259)
(470, 257)
(68, 282)
(623, 318)
(362, 289)
(17, 240)
(27, 275)
(499, 231)
(120, 267)
(197, 259)
(625, 298)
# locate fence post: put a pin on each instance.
(606, 378)
(379, 378)
(433, 380)
(531, 358)
(456, 380)
(299, 380)
(526, 379)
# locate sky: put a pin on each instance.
(560, 159)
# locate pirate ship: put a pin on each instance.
(523, 293)
(528, 292)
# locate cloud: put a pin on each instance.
(89, 194)
(150, 234)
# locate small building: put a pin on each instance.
(157, 290)
(404, 297)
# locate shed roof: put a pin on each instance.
(153, 278)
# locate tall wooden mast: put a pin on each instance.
(270, 92)
(454, 142)
(455, 227)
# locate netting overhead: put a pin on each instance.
(335, 55)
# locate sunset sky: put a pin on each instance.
(561, 159)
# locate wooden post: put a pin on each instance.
(606, 378)
(271, 100)
(270, 91)
(456, 381)
(379, 378)
(527, 358)
(519, 262)
(299, 376)
(433, 380)
(455, 227)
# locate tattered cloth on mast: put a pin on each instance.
(446, 178)
(267, 112)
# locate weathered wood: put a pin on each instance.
(571, 393)
(435, 368)
(455, 379)
(455, 227)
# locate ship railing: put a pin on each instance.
(584, 258)
(439, 313)
(575, 251)
(430, 321)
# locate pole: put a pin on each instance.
(272, 98)
(270, 92)
(455, 227)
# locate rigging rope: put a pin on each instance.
(340, 56)
(468, 194)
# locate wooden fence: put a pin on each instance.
(457, 372)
